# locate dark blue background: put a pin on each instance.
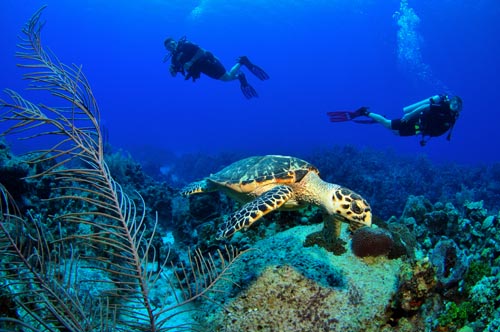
(321, 56)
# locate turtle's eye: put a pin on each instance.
(356, 208)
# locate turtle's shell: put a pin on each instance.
(248, 174)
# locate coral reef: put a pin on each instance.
(12, 172)
(455, 315)
(485, 297)
(451, 233)
(416, 284)
(452, 238)
(422, 229)
(404, 241)
(157, 196)
(477, 270)
(479, 311)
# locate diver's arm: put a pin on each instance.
(172, 70)
(422, 103)
(199, 53)
(420, 108)
(416, 112)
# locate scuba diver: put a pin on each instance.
(191, 60)
(430, 117)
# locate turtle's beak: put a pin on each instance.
(353, 225)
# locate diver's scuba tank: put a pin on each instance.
(427, 101)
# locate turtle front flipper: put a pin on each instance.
(195, 188)
(332, 226)
(254, 210)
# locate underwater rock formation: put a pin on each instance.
(417, 207)
(475, 211)
(442, 219)
(287, 287)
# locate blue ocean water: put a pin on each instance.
(321, 55)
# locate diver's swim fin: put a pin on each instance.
(342, 116)
(339, 116)
(246, 88)
(254, 69)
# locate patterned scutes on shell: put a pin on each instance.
(247, 174)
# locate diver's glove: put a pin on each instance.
(192, 73)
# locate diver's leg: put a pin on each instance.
(380, 119)
(232, 74)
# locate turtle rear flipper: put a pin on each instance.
(195, 188)
(254, 210)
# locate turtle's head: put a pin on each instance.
(353, 208)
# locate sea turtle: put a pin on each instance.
(268, 183)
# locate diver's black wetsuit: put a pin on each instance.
(207, 64)
(437, 121)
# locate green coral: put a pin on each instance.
(456, 314)
(477, 270)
